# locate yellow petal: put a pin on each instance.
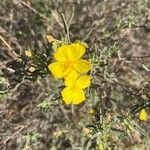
(100, 147)
(70, 52)
(57, 69)
(28, 53)
(66, 94)
(78, 96)
(84, 45)
(83, 81)
(91, 111)
(82, 66)
(74, 96)
(76, 50)
(143, 115)
(62, 53)
(31, 69)
(50, 38)
(71, 78)
(87, 130)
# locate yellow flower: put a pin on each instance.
(67, 59)
(143, 115)
(74, 93)
(100, 147)
(28, 53)
(91, 111)
(31, 69)
(50, 38)
(87, 131)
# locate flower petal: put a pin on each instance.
(69, 52)
(71, 78)
(74, 96)
(76, 50)
(143, 115)
(66, 94)
(61, 54)
(83, 81)
(82, 66)
(78, 96)
(57, 69)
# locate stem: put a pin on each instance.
(66, 27)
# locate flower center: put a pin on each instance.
(75, 86)
(69, 64)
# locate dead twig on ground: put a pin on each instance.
(13, 135)
(34, 10)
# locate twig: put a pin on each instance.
(17, 132)
(34, 10)
(72, 109)
(87, 35)
(6, 43)
(9, 47)
(70, 20)
(56, 16)
(66, 27)
(90, 141)
(13, 39)
(64, 112)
